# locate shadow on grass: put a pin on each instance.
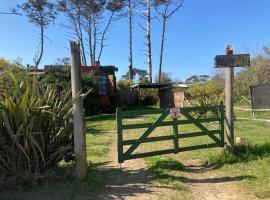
(164, 169)
(102, 117)
(110, 182)
(242, 153)
(139, 107)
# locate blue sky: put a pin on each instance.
(198, 32)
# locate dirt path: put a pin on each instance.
(133, 181)
(206, 184)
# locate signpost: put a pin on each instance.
(229, 61)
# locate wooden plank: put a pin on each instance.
(196, 147)
(171, 137)
(148, 154)
(222, 117)
(150, 139)
(175, 135)
(145, 125)
(169, 123)
(197, 134)
(147, 132)
(119, 135)
(193, 120)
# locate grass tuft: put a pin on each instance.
(165, 163)
(242, 153)
(94, 179)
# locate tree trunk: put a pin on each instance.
(90, 41)
(161, 48)
(83, 50)
(95, 40)
(41, 46)
(130, 65)
(81, 39)
(103, 36)
(148, 40)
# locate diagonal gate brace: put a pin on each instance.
(200, 126)
(147, 133)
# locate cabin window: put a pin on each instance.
(103, 85)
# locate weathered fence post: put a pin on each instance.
(78, 113)
(229, 76)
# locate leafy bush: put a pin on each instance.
(124, 84)
(62, 78)
(7, 68)
(35, 128)
(205, 93)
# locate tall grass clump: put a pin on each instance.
(35, 128)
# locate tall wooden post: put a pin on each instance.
(229, 61)
(229, 76)
(78, 113)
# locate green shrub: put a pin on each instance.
(7, 68)
(205, 93)
(124, 84)
(36, 128)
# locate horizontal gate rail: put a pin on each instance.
(159, 111)
(170, 123)
(170, 137)
(174, 137)
(149, 154)
(170, 151)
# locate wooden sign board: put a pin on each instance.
(237, 60)
(260, 96)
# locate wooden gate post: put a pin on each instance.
(229, 76)
(78, 113)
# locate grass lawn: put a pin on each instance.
(249, 167)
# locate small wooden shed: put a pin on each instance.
(169, 95)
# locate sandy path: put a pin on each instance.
(206, 184)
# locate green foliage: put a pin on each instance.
(61, 77)
(164, 78)
(242, 153)
(198, 79)
(124, 84)
(7, 69)
(165, 163)
(141, 73)
(35, 128)
(94, 179)
(205, 93)
(258, 73)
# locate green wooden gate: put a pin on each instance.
(128, 153)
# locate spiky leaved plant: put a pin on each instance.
(35, 128)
